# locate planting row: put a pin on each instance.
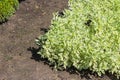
(85, 36)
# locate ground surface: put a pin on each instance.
(18, 59)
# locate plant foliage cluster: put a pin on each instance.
(7, 8)
(87, 36)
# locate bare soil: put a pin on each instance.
(18, 58)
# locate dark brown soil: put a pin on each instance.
(18, 59)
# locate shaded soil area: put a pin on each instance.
(18, 58)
